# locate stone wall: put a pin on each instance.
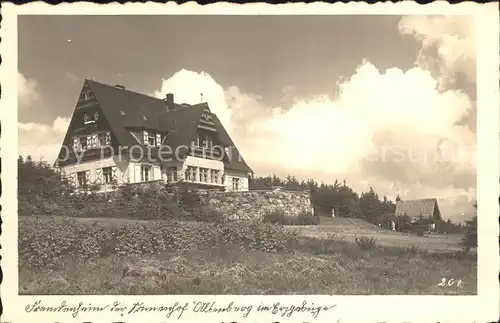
(254, 204)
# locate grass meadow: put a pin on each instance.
(59, 255)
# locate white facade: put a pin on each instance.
(236, 180)
(110, 172)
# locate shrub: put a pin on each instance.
(204, 214)
(366, 243)
(276, 216)
(470, 238)
(43, 243)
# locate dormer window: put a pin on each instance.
(87, 119)
(122, 113)
(96, 116)
(149, 138)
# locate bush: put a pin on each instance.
(470, 238)
(44, 243)
(276, 216)
(366, 243)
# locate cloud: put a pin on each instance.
(27, 91)
(35, 139)
(389, 129)
(41, 140)
(448, 45)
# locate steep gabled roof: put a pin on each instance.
(127, 109)
(182, 124)
(236, 160)
(415, 208)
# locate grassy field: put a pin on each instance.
(329, 263)
(349, 228)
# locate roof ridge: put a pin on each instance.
(124, 89)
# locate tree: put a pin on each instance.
(371, 207)
(470, 238)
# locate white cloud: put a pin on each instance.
(389, 129)
(27, 91)
(448, 44)
(40, 141)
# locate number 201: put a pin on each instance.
(450, 282)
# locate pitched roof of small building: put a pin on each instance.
(416, 208)
(125, 109)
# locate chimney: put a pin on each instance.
(169, 101)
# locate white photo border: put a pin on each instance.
(480, 308)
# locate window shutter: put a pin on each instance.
(108, 138)
(89, 142)
(145, 137)
(87, 177)
(72, 179)
(158, 140)
(75, 144)
(98, 176)
(114, 173)
(94, 141)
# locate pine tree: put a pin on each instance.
(470, 238)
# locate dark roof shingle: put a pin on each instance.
(124, 108)
(415, 208)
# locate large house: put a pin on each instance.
(118, 136)
(422, 209)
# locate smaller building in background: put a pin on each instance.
(426, 210)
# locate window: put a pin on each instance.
(87, 95)
(107, 175)
(83, 143)
(101, 139)
(88, 119)
(145, 173)
(236, 184)
(191, 174)
(196, 142)
(172, 174)
(207, 143)
(82, 178)
(214, 176)
(204, 175)
(151, 139)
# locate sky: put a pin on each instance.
(381, 101)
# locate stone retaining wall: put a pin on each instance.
(254, 204)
